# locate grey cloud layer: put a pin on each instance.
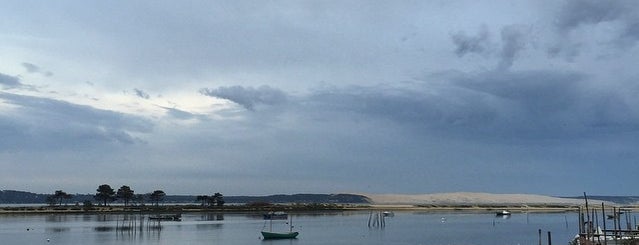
(9, 81)
(31, 68)
(466, 44)
(513, 40)
(248, 97)
(619, 20)
(495, 104)
(47, 124)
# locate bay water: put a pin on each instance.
(428, 228)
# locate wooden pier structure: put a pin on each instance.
(594, 230)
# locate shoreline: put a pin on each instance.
(291, 208)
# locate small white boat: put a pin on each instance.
(503, 213)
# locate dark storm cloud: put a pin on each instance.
(554, 104)
(248, 97)
(49, 124)
(491, 105)
(465, 44)
(141, 94)
(10, 81)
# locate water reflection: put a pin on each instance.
(279, 242)
(57, 218)
(238, 229)
(151, 234)
(57, 229)
(212, 217)
(103, 228)
(209, 226)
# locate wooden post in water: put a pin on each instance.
(549, 239)
(614, 221)
(594, 214)
(580, 219)
(588, 229)
(539, 236)
(627, 221)
(603, 218)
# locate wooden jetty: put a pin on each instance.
(624, 230)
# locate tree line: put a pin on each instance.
(105, 194)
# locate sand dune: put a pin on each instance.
(467, 198)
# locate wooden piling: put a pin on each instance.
(603, 218)
(539, 236)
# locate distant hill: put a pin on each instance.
(23, 197)
(9, 196)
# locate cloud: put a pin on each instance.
(180, 114)
(576, 13)
(31, 68)
(491, 105)
(578, 22)
(141, 94)
(10, 81)
(48, 124)
(248, 97)
(503, 106)
(513, 41)
(465, 44)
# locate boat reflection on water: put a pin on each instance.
(275, 215)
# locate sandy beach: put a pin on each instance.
(469, 198)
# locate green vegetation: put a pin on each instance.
(57, 197)
(157, 196)
(216, 199)
(125, 194)
(105, 194)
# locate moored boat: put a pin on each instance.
(270, 234)
(279, 235)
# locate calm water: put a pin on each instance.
(325, 228)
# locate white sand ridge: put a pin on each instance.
(468, 198)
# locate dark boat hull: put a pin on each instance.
(279, 235)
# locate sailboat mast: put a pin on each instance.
(290, 225)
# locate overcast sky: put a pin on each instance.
(268, 97)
